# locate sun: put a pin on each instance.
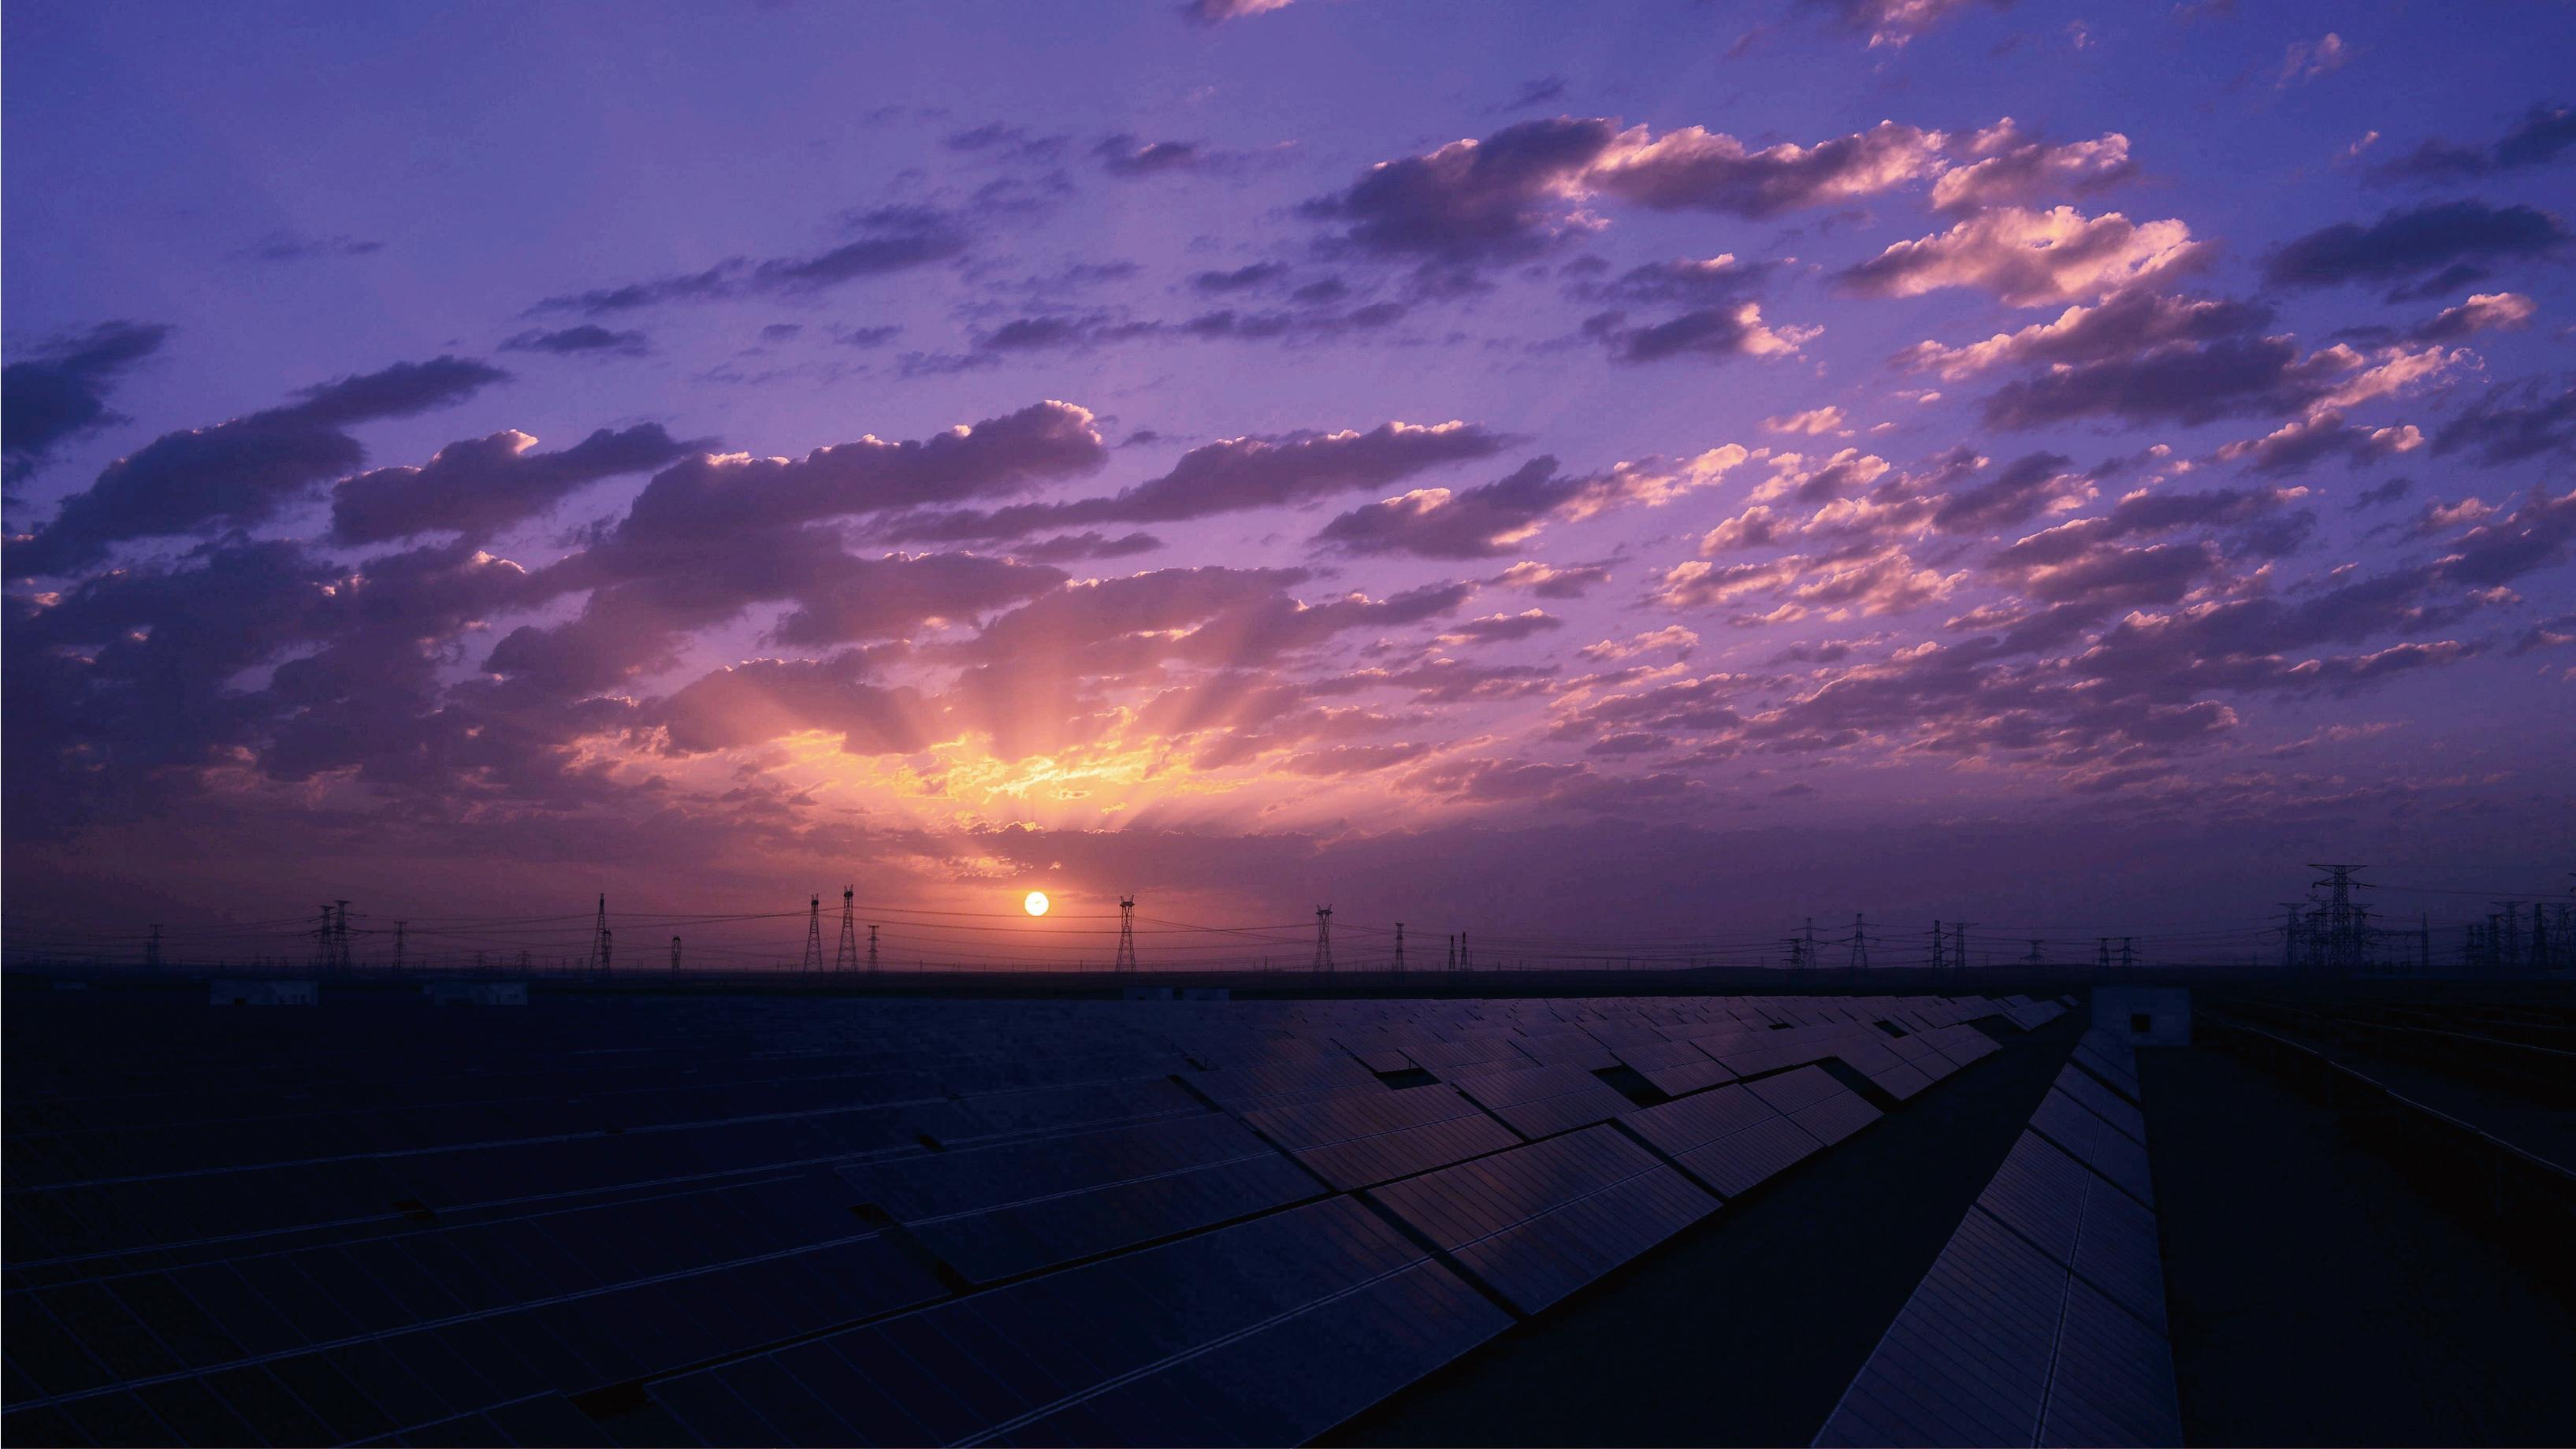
(1036, 903)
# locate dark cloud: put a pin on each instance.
(2122, 326)
(1132, 156)
(61, 392)
(1257, 274)
(2453, 241)
(1537, 92)
(1436, 523)
(1066, 547)
(862, 599)
(2233, 377)
(2379, 494)
(587, 338)
(1470, 201)
(1712, 333)
(293, 247)
(240, 473)
(2515, 421)
(2026, 487)
(2544, 133)
(890, 239)
(1234, 475)
(483, 485)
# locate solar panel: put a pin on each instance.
(1354, 1141)
(1740, 1161)
(999, 1211)
(2039, 1193)
(1676, 1127)
(1543, 1101)
(1540, 1221)
(1966, 1361)
(2114, 1378)
(2104, 1103)
(1901, 1081)
(1790, 1091)
(1834, 1118)
(2093, 1142)
(1675, 1067)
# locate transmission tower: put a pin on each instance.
(322, 940)
(1399, 948)
(599, 937)
(1859, 945)
(1938, 965)
(1466, 953)
(872, 950)
(2510, 943)
(1797, 952)
(1959, 935)
(1453, 951)
(152, 951)
(2103, 964)
(675, 955)
(2343, 935)
(1811, 957)
(1323, 938)
(2128, 952)
(845, 956)
(814, 935)
(398, 946)
(2034, 950)
(1125, 961)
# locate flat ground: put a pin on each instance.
(2317, 1298)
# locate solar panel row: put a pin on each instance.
(2041, 1323)
(1085, 1158)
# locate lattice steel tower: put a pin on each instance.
(813, 936)
(845, 956)
(1323, 938)
(1126, 960)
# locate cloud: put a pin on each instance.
(1066, 547)
(1212, 12)
(2513, 422)
(1500, 628)
(1693, 169)
(2031, 258)
(2131, 321)
(61, 392)
(588, 338)
(2453, 240)
(483, 485)
(2544, 134)
(2199, 382)
(1892, 23)
(240, 473)
(760, 700)
(1815, 422)
(1715, 333)
(1508, 195)
(889, 239)
(2027, 487)
(1236, 474)
(1548, 581)
(2306, 60)
(297, 247)
(2013, 169)
(2484, 311)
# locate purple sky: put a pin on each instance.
(1638, 473)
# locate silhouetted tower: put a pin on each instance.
(1797, 952)
(599, 936)
(1938, 965)
(152, 950)
(2509, 944)
(2103, 963)
(1466, 953)
(1811, 941)
(1126, 958)
(322, 940)
(675, 955)
(845, 955)
(872, 950)
(813, 935)
(1453, 950)
(2343, 934)
(399, 927)
(1399, 947)
(1959, 935)
(2128, 952)
(1323, 938)
(2290, 937)
(340, 935)
(1859, 944)
(2034, 950)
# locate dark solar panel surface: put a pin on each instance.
(626, 1219)
(2043, 1320)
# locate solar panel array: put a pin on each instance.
(2043, 1320)
(637, 1220)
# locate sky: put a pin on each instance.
(1625, 475)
